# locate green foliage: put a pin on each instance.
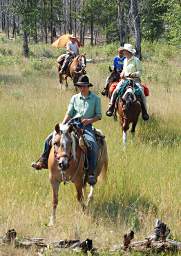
(173, 22)
(152, 13)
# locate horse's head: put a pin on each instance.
(114, 76)
(128, 97)
(82, 61)
(62, 142)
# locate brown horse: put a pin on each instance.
(67, 160)
(128, 108)
(114, 77)
(75, 69)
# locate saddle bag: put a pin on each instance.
(146, 90)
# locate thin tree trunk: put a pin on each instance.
(137, 26)
(35, 34)
(25, 45)
(14, 27)
(92, 29)
(70, 17)
(121, 22)
(51, 20)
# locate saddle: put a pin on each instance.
(132, 84)
(99, 138)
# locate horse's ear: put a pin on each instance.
(84, 53)
(115, 69)
(57, 128)
(110, 69)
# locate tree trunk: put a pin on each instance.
(137, 26)
(92, 30)
(25, 45)
(14, 27)
(35, 34)
(70, 17)
(121, 22)
(51, 20)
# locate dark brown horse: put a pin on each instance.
(114, 77)
(66, 163)
(128, 108)
(75, 69)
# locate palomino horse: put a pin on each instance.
(74, 70)
(128, 109)
(67, 160)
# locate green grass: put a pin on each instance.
(143, 180)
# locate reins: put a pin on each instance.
(70, 158)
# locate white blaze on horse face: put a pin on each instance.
(83, 62)
(128, 90)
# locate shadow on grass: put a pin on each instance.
(157, 132)
(132, 210)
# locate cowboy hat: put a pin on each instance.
(83, 81)
(72, 36)
(129, 48)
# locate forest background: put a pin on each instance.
(143, 181)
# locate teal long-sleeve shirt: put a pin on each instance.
(85, 107)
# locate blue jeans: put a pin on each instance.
(92, 150)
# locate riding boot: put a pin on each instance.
(145, 115)
(42, 162)
(110, 110)
(91, 178)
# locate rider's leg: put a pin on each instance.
(145, 115)
(42, 163)
(112, 102)
(92, 153)
(65, 64)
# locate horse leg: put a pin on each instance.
(133, 129)
(66, 83)
(124, 137)
(80, 196)
(125, 127)
(55, 187)
(90, 195)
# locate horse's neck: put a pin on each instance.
(75, 60)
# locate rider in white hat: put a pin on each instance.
(132, 69)
(72, 48)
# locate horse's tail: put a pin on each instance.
(104, 160)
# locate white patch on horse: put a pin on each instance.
(129, 90)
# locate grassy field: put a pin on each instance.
(144, 180)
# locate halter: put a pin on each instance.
(70, 157)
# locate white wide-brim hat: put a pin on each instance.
(129, 48)
(72, 36)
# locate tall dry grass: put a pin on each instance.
(143, 181)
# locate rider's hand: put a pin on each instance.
(86, 121)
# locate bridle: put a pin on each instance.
(69, 156)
